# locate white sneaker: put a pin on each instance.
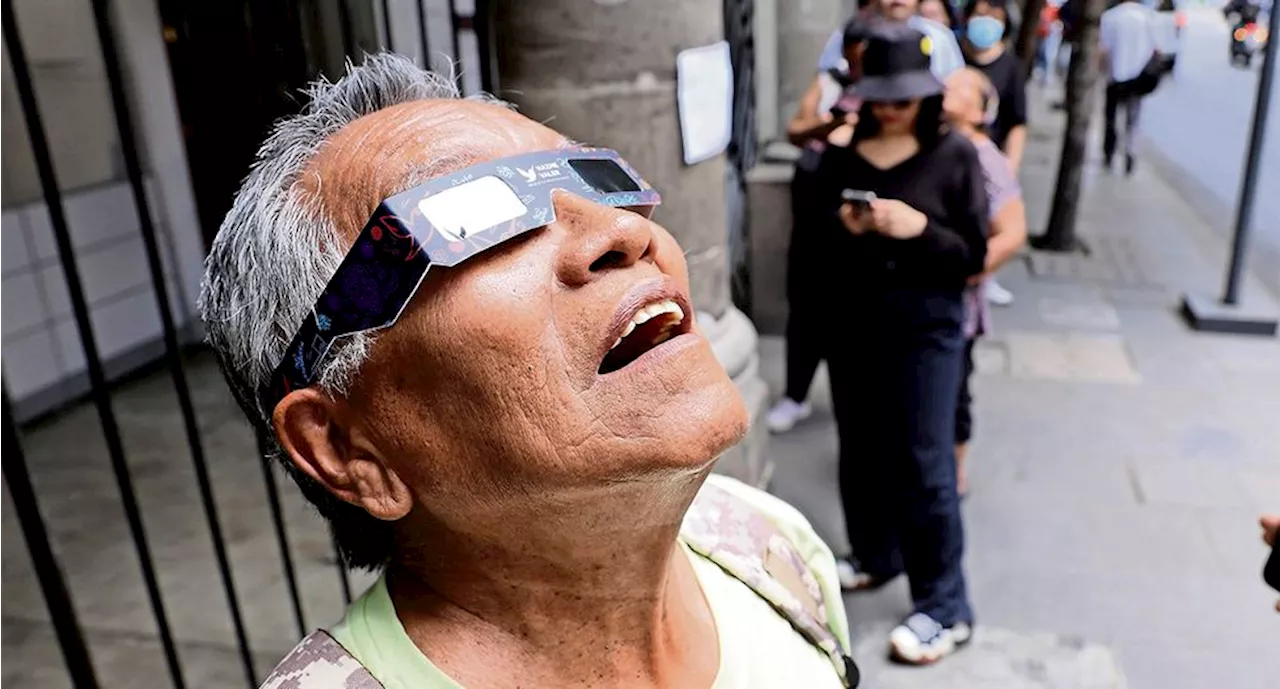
(921, 640)
(850, 578)
(996, 294)
(786, 414)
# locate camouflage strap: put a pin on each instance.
(320, 662)
(731, 533)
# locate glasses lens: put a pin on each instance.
(471, 208)
(605, 176)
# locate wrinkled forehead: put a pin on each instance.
(384, 153)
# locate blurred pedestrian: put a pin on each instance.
(944, 54)
(1127, 41)
(1050, 36)
(825, 117)
(916, 226)
(971, 106)
(941, 11)
(986, 26)
(1270, 524)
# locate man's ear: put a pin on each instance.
(338, 457)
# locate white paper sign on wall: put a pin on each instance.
(704, 96)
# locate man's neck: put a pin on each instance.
(593, 590)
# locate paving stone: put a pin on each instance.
(1000, 659)
(1191, 484)
(1097, 315)
(1070, 357)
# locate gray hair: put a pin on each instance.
(276, 250)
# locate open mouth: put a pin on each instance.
(648, 328)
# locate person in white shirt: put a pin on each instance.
(1127, 39)
(944, 58)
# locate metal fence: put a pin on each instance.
(23, 495)
(739, 18)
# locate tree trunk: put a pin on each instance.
(1026, 43)
(1082, 76)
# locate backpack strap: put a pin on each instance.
(747, 545)
(320, 662)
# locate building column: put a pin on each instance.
(804, 27)
(604, 73)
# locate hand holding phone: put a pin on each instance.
(860, 200)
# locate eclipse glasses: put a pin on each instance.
(443, 223)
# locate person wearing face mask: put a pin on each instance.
(986, 25)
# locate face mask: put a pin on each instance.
(984, 32)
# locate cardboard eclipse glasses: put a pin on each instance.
(443, 223)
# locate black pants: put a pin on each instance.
(1119, 97)
(803, 347)
(805, 287)
(894, 386)
(964, 402)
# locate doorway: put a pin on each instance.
(238, 66)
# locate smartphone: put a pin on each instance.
(861, 200)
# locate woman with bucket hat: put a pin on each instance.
(909, 194)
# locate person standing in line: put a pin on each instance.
(826, 115)
(915, 221)
(986, 25)
(944, 56)
(1127, 40)
(941, 11)
(971, 105)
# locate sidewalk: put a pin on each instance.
(1119, 465)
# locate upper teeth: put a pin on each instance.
(644, 315)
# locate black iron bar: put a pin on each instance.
(483, 23)
(282, 535)
(343, 577)
(422, 34)
(173, 356)
(56, 597)
(454, 25)
(99, 389)
(1253, 160)
(388, 44)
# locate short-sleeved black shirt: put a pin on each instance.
(1005, 73)
(945, 182)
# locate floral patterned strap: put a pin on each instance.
(740, 539)
(320, 662)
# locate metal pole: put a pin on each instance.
(98, 385)
(422, 34)
(1249, 185)
(282, 535)
(61, 611)
(343, 579)
(133, 169)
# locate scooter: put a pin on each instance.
(1248, 38)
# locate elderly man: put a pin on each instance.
(478, 357)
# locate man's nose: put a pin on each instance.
(598, 239)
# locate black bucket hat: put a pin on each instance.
(895, 65)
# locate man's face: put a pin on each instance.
(898, 10)
(491, 383)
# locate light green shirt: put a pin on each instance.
(758, 647)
